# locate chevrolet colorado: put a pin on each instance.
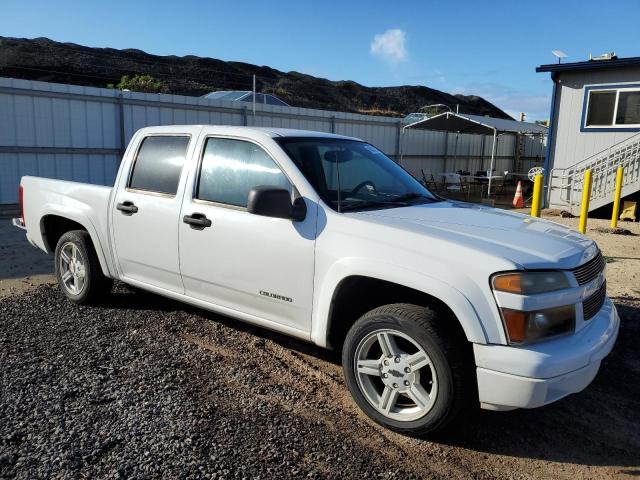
(436, 305)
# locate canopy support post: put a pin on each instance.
(400, 144)
(493, 158)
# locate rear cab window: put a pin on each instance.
(158, 164)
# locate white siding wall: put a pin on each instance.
(75, 133)
(569, 144)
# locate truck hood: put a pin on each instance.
(521, 239)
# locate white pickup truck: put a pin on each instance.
(436, 305)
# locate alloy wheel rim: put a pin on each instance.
(72, 269)
(395, 375)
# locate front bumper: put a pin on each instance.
(535, 375)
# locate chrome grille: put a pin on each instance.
(590, 270)
(593, 304)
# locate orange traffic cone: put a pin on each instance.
(518, 201)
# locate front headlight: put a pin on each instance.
(526, 327)
(529, 283)
(529, 326)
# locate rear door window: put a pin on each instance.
(159, 163)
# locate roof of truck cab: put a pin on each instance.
(268, 131)
(292, 132)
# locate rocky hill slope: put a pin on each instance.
(50, 61)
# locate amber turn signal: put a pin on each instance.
(508, 283)
(530, 283)
(515, 323)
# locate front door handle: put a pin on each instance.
(127, 208)
(197, 221)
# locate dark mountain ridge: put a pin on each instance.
(50, 61)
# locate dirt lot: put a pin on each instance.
(143, 387)
(21, 266)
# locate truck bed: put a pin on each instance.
(83, 203)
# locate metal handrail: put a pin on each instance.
(603, 164)
(608, 148)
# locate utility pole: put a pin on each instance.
(254, 99)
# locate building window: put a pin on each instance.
(601, 107)
(613, 108)
(628, 108)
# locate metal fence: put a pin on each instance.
(79, 133)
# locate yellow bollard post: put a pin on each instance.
(616, 198)
(537, 196)
(586, 196)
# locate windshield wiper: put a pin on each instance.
(372, 203)
(399, 201)
(409, 196)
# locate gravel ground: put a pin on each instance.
(143, 387)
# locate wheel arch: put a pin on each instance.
(54, 224)
(337, 310)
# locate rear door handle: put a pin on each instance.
(127, 208)
(197, 221)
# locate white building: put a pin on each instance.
(595, 124)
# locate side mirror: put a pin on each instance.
(275, 202)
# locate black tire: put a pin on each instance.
(448, 350)
(96, 285)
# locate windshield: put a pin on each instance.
(352, 175)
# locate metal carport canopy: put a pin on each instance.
(478, 125)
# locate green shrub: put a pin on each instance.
(140, 83)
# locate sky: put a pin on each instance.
(489, 48)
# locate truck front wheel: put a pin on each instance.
(406, 368)
(78, 270)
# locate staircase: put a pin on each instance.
(565, 184)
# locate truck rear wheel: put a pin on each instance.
(78, 270)
(406, 368)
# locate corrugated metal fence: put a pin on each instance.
(79, 133)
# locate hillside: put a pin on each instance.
(50, 61)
